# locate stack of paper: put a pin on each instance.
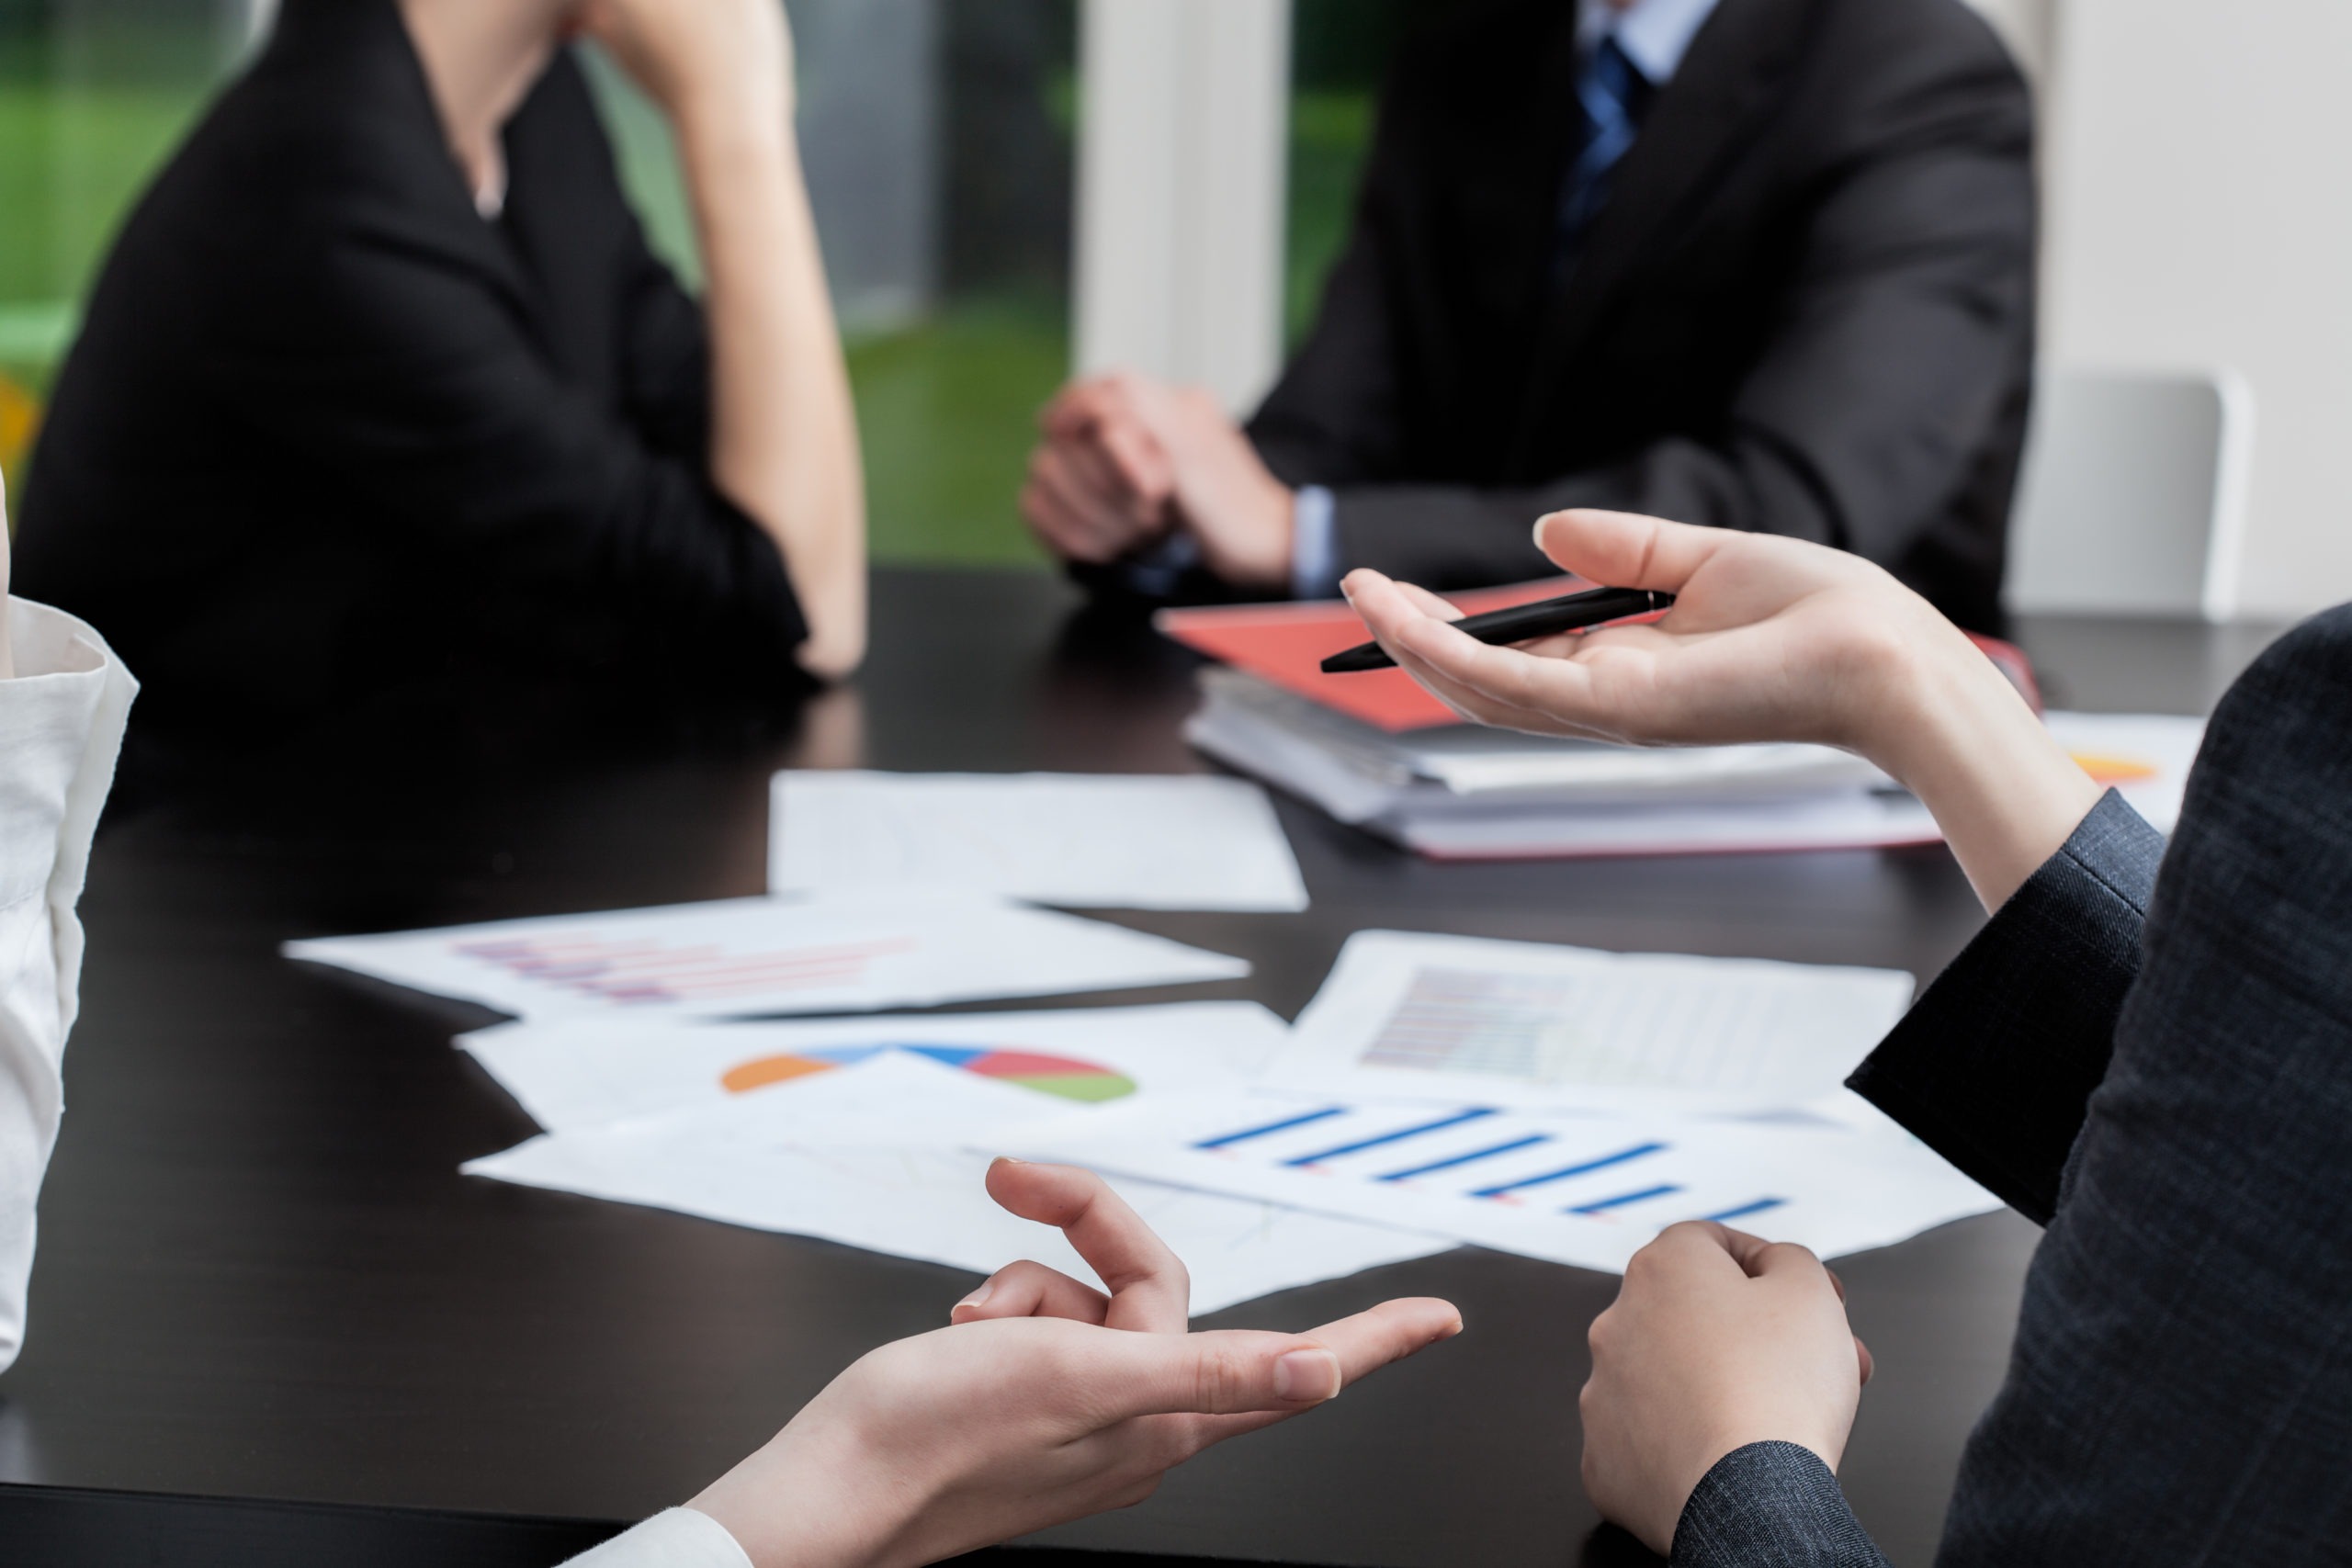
(1378, 751)
(1460, 792)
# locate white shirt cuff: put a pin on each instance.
(675, 1538)
(1314, 545)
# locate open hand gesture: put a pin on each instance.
(1768, 640)
(1045, 1401)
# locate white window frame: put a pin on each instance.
(1183, 162)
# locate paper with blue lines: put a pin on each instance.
(1588, 1190)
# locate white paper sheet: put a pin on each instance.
(749, 956)
(1537, 1026)
(1832, 819)
(2147, 754)
(1588, 1190)
(588, 1072)
(1099, 842)
(869, 1157)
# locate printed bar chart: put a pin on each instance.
(643, 972)
(1589, 1190)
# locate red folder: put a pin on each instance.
(1285, 644)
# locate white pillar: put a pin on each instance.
(250, 20)
(1182, 148)
(2028, 27)
(2200, 219)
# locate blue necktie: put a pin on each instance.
(1614, 96)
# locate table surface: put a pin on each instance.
(261, 1275)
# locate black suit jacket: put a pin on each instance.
(2156, 1064)
(1806, 310)
(326, 427)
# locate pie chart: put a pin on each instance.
(1065, 1077)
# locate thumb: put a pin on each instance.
(1223, 1373)
(1622, 549)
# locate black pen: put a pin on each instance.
(1548, 617)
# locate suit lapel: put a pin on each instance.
(1727, 80)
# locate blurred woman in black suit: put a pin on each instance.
(381, 380)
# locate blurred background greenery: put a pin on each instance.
(949, 368)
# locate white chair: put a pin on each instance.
(2132, 501)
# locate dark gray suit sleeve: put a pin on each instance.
(2181, 1389)
(2179, 1107)
(1770, 1506)
(1995, 1066)
(1993, 1069)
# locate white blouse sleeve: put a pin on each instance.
(61, 725)
(676, 1538)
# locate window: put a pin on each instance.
(94, 95)
(938, 140)
(1339, 55)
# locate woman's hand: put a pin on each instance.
(1716, 1341)
(1047, 1401)
(1768, 640)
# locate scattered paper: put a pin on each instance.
(870, 1155)
(750, 956)
(1535, 1025)
(1588, 1190)
(589, 1072)
(2146, 757)
(1103, 842)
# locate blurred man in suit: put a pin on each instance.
(1766, 265)
(384, 350)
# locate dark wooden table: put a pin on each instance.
(261, 1277)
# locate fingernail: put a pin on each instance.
(1008, 1160)
(1304, 1377)
(974, 1299)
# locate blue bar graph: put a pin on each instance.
(1623, 1200)
(1604, 1163)
(1284, 1125)
(1759, 1206)
(1396, 1137)
(1474, 1155)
